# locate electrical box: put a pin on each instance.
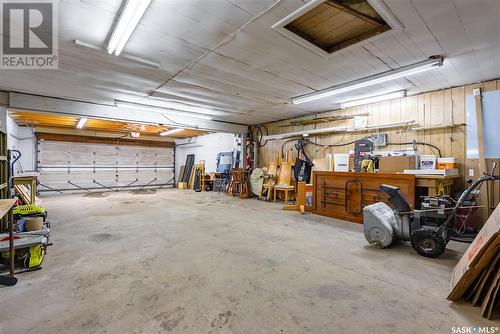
(379, 139)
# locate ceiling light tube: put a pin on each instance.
(169, 132)
(431, 63)
(161, 110)
(373, 99)
(81, 122)
(129, 18)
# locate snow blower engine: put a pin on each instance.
(441, 219)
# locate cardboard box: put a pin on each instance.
(447, 163)
(341, 162)
(319, 165)
(396, 164)
(182, 185)
(481, 252)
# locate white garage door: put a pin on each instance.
(74, 166)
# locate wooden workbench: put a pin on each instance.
(431, 182)
(30, 180)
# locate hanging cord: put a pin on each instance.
(284, 143)
(308, 141)
(352, 142)
(260, 134)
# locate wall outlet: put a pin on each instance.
(471, 172)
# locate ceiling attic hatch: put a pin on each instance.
(333, 25)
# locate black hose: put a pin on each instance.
(260, 134)
(283, 145)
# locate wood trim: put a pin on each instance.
(352, 12)
(358, 38)
(99, 140)
(100, 134)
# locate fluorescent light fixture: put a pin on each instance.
(373, 99)
(144, 61)
(431, 63)
(81, 122)
(161, 110)
(130, 16)
(170, 132)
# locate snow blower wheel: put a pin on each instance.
(427, 243)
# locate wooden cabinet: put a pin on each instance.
(343, 195)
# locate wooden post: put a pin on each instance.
(12, 252)
(300, 199)
(479, 124)
(484, 196)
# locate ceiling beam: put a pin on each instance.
(101, 134)
(110, 112)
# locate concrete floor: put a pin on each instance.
(184, 262)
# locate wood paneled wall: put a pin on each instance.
(427, 109)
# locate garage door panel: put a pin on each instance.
(53, 153)
(147, 157)
(166, 159)
(105, 160)
(127, 163)
(146, 176)
(125, 177)
(165, 176)
(80, 159)
(106, 177)
(53, 177)
(109, 165)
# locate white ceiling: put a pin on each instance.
(224, 54)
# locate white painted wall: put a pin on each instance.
(204, 148)
(22, 139)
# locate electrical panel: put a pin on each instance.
(379, 139)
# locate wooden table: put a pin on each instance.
(30, 180)
(431, 182)
(343, 195)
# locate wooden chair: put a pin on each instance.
(269, 180)
(239, 183)
(283, 183)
